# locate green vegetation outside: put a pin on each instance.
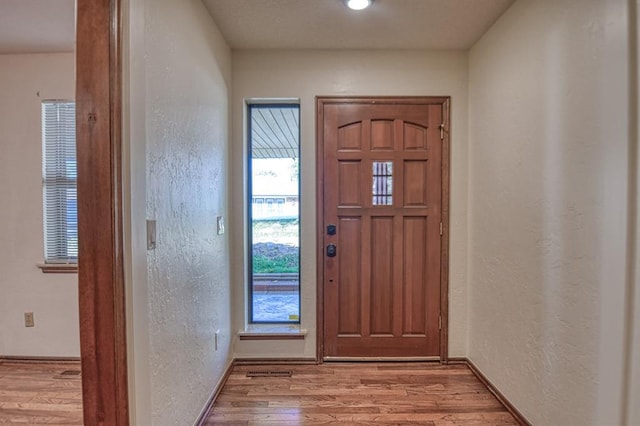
(275, 247)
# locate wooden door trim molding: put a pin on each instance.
(444, 241)
(100, 227)
(444, 266)
(319, 229)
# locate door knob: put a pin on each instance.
(331, 250)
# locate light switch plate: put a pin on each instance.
(151, 234)
(220, 225)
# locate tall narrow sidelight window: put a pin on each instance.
(59, 179)
(274, 213)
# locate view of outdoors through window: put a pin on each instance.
(274, 214)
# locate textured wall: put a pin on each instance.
(633, 396)
(187, 76)
(547, 201)
(305, 75)
(26, 80)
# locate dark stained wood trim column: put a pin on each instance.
(100, 271)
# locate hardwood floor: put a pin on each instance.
(358, 394)
(40, 393)
(332, 393)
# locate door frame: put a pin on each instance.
(101, 289)
(321, 101)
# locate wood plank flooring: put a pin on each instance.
(358, 394)
(35, 393)
(332, 393)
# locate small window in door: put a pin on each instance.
(382, 183)
(274, 213)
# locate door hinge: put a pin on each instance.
(440, 322)
(440, 228)
(442, 131)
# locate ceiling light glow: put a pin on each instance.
(359, 4)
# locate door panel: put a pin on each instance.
(381, 135)
(415, 137)
(382, 187)
(415, 178)
(349, 192)
(415, 233)
(381, 314)
(350, 278)
(350, 137)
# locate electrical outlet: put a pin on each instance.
(28, 319)
(215, 340)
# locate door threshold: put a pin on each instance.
(381, 359)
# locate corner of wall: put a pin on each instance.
(177, 137)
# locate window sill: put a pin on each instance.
(58, 268)
(272, 332)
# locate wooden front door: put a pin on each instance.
(381, 184)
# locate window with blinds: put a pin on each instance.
(59, 178)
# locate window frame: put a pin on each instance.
(55, 145)
(249, 106)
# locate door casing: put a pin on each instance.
(321, 101)
(103, 346)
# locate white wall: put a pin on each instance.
(304, 75)
(178, 71)
(25, 81)
(545, 182)
(547, 208)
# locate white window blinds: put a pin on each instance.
(59, 179)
